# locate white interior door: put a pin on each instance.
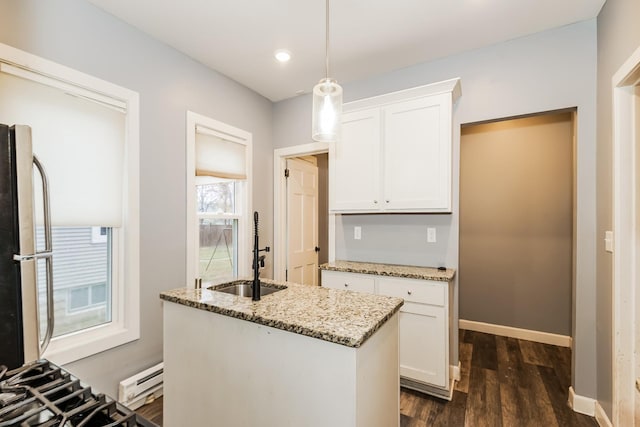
(302, 221)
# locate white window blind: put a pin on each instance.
(220, 155)
(79, 137)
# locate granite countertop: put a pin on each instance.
(341, 317)
(410, 272)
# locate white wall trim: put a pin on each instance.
(523, 334)
(454, 372)
(601, 416)
(280, 156)
(581, 404)
(625, 218)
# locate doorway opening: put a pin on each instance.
(517, 227)
(302, 237)
(626, 256)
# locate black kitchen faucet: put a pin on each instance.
(258, 260)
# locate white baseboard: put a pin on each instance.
(454, 372)
(581, 404)
(601, 416)
(523, 334)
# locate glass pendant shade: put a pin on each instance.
(327, 109)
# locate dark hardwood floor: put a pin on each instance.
(504, 382)
(152, 411)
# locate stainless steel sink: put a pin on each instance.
(243, 288)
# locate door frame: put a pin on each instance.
(626, 103)
(280, 157)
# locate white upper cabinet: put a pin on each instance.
(355, 179)
(395, 152)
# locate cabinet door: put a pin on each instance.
(417, 155)
(424, 344)
(355, 163)
(348, 281)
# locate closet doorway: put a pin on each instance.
(517, 219)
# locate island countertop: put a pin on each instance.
(393, 270)
(341, 317)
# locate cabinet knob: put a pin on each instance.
(408, 292)
(346, 285)
(386, 201)
(375, 201)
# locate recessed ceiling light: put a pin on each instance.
(282, 55)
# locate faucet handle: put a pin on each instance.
(262, 261)
(267, 249)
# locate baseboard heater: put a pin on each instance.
(141, 388)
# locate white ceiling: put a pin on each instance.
(368, 37)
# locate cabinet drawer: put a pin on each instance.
(420, 291)
(348, 281)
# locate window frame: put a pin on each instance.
(125, 250)
(243, 199)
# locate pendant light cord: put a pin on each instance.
(327, 39)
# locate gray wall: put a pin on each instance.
(551, 70)
(618, 38)
(78, 35)
(516, 211)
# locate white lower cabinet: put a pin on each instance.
(423, 339)
(424, 325)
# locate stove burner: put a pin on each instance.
(42, 394)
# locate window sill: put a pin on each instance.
(76, 346)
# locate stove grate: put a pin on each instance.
(43, 395)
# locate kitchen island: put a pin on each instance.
(302, 356)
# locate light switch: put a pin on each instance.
(357, 233)
(431, 235)
(608, 241)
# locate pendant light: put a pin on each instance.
(327, 101)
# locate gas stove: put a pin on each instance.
(44, 395)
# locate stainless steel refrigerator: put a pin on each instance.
(20, 337)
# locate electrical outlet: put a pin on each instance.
(431, 235)
(357, 233)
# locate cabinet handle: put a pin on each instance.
(409, 292)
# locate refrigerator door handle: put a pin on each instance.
(46, 254)
(37, 255)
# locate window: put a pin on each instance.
(85, 132)
(81, 279)
(217, 229)
(83, 298)
(99, 234)
(218, 191)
